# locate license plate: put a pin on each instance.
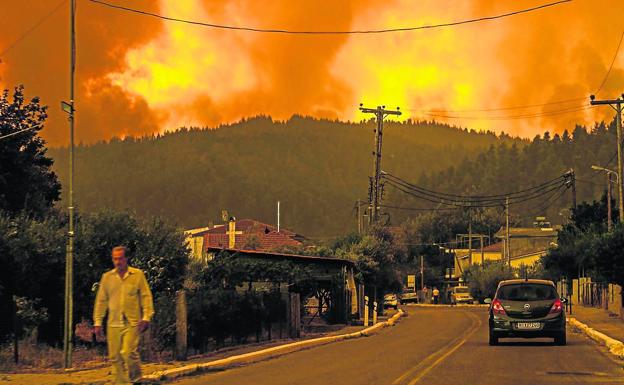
(528, 325)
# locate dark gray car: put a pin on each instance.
(527, 308)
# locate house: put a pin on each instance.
(493, 252)
(526, 246)
(249, 234)
(244, 234)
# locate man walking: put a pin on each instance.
(123, 293)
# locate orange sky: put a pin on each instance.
(138, 75)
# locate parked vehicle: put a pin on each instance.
(461, 294)
(409, 297)
(391, 300)
(527, 308)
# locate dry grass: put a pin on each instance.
(35, 357)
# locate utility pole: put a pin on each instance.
(609, 192)
(359, 217)
(573, 182)
(68, 107)
(422, 273)
(616, 104)
(469, 237)
(609, 222)
(482, 256)
(380, 113)
(507, 248)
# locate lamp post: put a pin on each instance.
(617, 178)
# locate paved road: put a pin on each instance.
(432, 346)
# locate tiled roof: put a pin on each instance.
(266, 236)
(498, 246)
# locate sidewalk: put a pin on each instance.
(601, 320)
(101, 375)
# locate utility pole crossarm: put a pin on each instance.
(608, 102)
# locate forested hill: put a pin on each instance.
(316, 168)
(502, 169)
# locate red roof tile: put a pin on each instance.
(266, 235)
(498, 246)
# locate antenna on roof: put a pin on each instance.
(278, 216)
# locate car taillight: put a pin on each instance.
(497, 308)
(557, 307)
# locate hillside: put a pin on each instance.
(316, 168)
(502, 169)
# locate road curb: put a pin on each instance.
(615, 347)
(265, 354)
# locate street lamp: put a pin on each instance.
(617, 178)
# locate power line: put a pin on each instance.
(519, 107)
(617, 51)
(514, 117)
(34, 27)
(20, 131)
(328, 32)
(419, 208)
(474, 203)
(547, 183)
(550, 201)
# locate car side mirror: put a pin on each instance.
(487, 300)
(564, 300)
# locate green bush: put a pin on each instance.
(483, 279)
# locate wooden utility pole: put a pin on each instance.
(469, 237)
(616, 104)
(482, 256)
(380, 114)
(507, 248)
(422, 273)
(359, 217)
(609, 192)
(573, 181)
(609, 222)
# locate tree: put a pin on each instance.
(155, 246)
(585, 245)
(483, 279)
(378, 256)
(27, 182)
(31, 253)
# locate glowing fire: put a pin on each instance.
(151, 75)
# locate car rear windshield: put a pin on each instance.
(526, 292)
(462, 290)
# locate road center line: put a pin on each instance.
(437, 357)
